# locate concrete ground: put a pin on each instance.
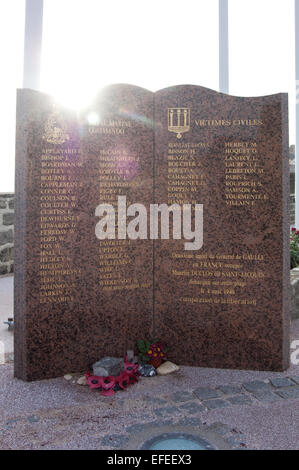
(242, 409)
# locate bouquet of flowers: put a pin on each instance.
(152, 352)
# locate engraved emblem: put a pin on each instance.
(179, 120)
(55, 129)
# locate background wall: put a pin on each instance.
(6, 232)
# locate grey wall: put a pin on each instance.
(6, 232)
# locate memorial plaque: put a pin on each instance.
(79, 297)
(225, 305)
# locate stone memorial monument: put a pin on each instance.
(80, 296)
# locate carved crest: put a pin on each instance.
(179, 120)
(55, 129)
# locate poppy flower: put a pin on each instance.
(108, 382)
(123, 380)
(107, 393)
(136, 369)
(130, 367)
(116, 387)
(108, 385)
(133, 379)
(94, 382)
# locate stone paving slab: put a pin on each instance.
(240, 400)
(266, 396)
(220, 428)
(206, 393)
(256, 386)
(183, 396)
(190, 421)
(59, 428)
(212, 404)
(192, 407)
(289, 393)
(169, 410)
(282, 382)
(230, 389)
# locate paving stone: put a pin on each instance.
(167, 410)
(206, 393)
(135, 428)
(240, 400)
(236, 442)
(9, 424)
(156, 400)
(220, 428)
(291, 392)
(189, 421)
(192, 407)
(230, 389)
(159, 423)
(212, 404)
(266, 396)
(281, 382)
(256, 385)
(295, 379)
(33, 419)
(114, 440)
(179, 397)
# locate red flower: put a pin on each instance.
(109, 385)
(107, 393)
(293, 229)
(94, 382)
(133, 379)
(131, 368)
(123, 380)
(108, 382)
(156, 354)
